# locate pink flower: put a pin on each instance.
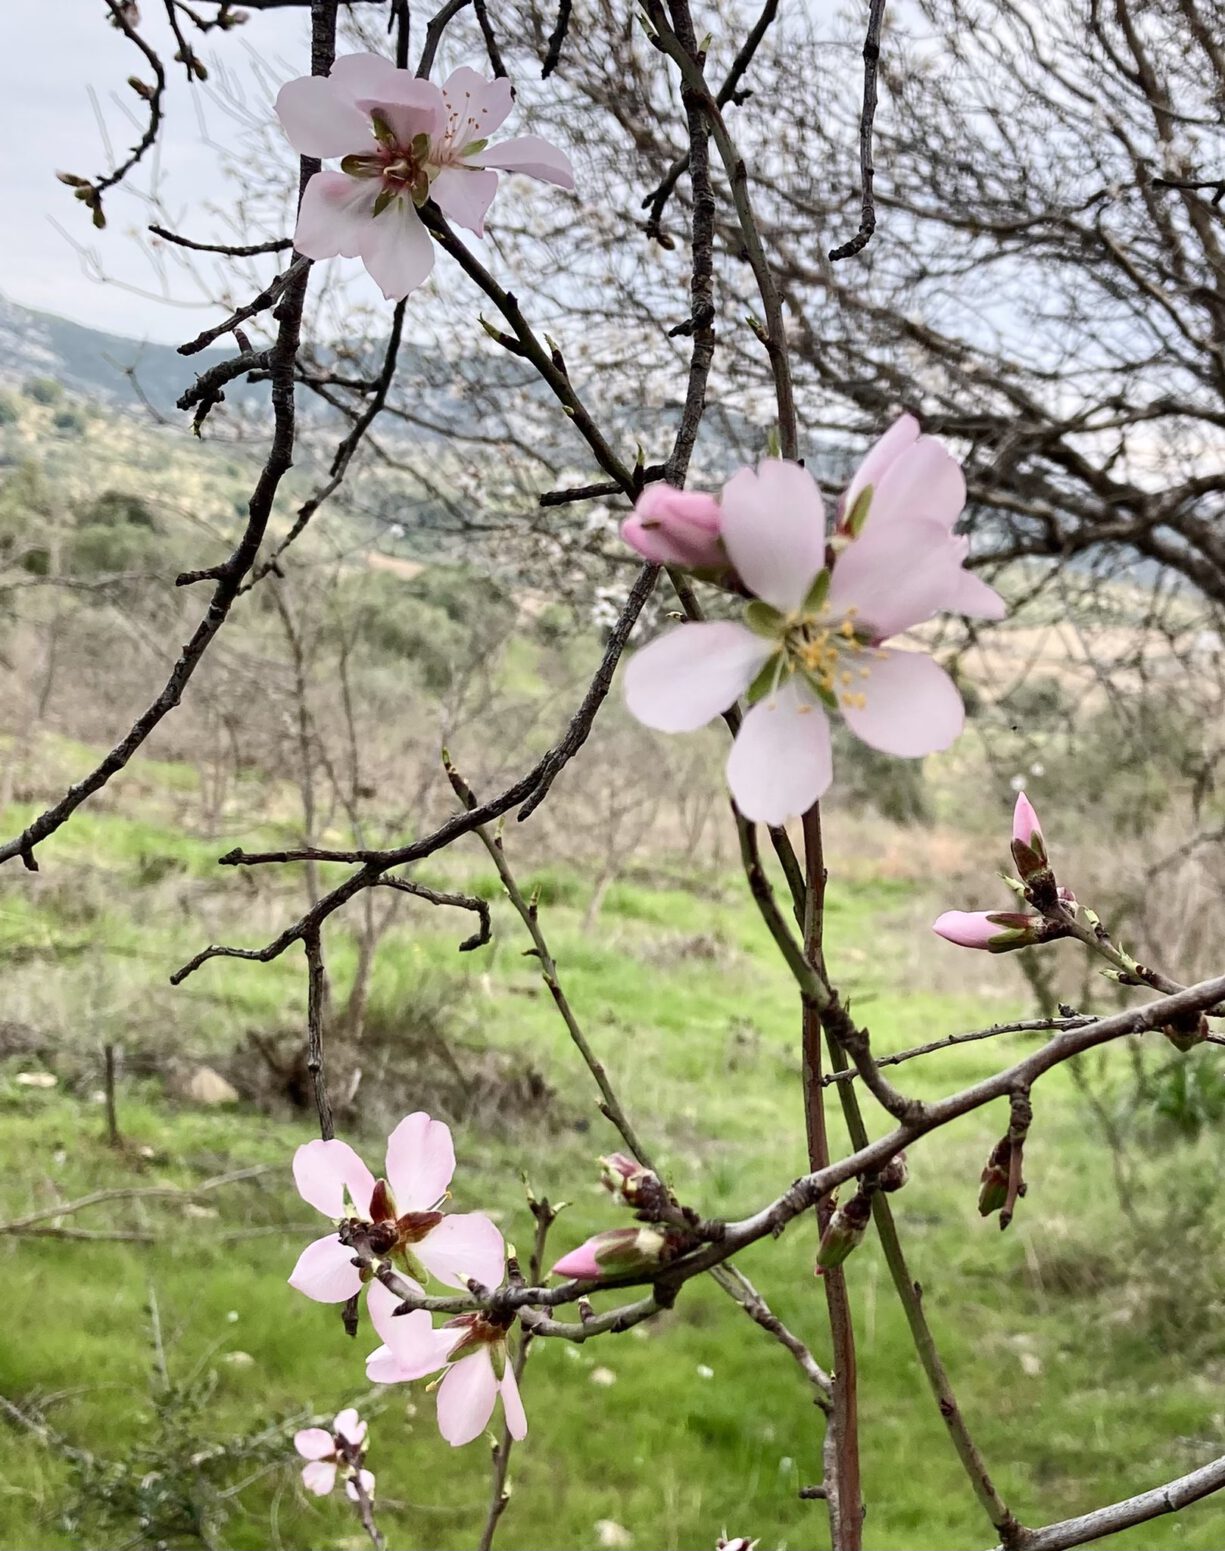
(904, 476)
(401, 141)
(676, 527)
(998, 931)
(472, 1348)
(409, 1229)
(325, 1451)
(811, 644)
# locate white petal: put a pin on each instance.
(323, 1171)
(464, 195)
(466, 1244)
(924, 481)
(325, 1272)
(476, 106)
(314, 1443)
(685, 678)
(901, 434)
(319, 120)
(977, 599)
(466, 1398)
(420, 114)
(319, 1477)
(512, 1404)
(911, 706)
(780, 763)
(335, 214)
(349, 1426)
(366, 75)
(774, 531)
(897, 575)
(420, 1162)
(531, 155)
(397, 250)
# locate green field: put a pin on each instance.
(1085, 1345)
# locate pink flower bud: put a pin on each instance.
(676, 527)
(615, 1251)
(1025, 826)
(997, 931)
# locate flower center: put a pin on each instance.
(830, 654)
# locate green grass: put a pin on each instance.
(1075, 1390)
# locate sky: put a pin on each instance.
(54, 52)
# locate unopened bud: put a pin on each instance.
(894, 1174)
(844, 1232)
(1187, 1032)
(994, 1191)
(616, 1252)
(625, 1177)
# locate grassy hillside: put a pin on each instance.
(1085, 1348)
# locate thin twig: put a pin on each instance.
(867, 118)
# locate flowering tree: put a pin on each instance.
(791, 614)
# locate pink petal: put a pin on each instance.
(686, 677)
(319, 120)
(326, 1273)
(780, 763)
(466, 1398)
(319, 1477)
(774, 531)
(367, 1481)
(314, 1443)
(381, 1304)
(367, 75)
(1025, 824)
(349, 1426)
(420, 1162)
(462, 1246)
(397, 250)
(925, 481)
(531, 155)
(413, 110)
(383, 1367)
(323, 1171)
(897, 576)
(580, 1262)
(335, 215)
(512, 1404)
(464, 195)
(976, 599)
(883, 452)
(967, 928)
(412, 1346)
(476, 106)
(911, 706)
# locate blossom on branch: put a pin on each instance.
(325, 1452)
(676, 527)
(401, 141)
(406, 1226)
(812, 640)
(471, 1348)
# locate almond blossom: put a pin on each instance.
(326, 1451)
(812, 641)
(472, 1350)
(407, 1226)
(401, 141)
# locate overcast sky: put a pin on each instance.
(54, 51)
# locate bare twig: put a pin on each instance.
(867, 117)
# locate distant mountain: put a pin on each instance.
(96, 365)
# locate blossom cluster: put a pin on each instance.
(412, 1235)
